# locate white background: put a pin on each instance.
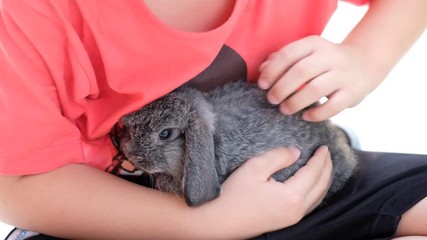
(392, 118)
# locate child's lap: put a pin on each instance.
(370, 206)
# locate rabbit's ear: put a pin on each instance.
(200, 180)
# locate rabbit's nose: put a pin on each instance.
(130, 152)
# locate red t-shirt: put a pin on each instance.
(70, 69)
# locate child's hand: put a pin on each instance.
(304, 71)
(252, 202)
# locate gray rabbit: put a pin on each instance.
(190, 141)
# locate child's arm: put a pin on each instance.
(79, 202)
(345, 73)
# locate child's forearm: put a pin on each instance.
(387, 31)
(80, 202)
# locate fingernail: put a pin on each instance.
(263, 84)
(272, 99)
(262, 66)
(285, 110)
(295, 151)
(307, 117)
(326, 148)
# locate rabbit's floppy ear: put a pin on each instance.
(200, 179)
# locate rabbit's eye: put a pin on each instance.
(169, 134)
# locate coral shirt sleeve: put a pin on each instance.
(37, 135)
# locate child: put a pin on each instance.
(71, 68)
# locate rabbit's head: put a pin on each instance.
(173, 138)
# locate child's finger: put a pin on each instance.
(318, 193)
(313, 179)
(282, 61)
(312, 92)
(270, 162)
(336, 102)
(299, 74)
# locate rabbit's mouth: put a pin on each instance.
(145, 166)
(141, 163)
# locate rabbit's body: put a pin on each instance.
(213, 133)
(238, 137)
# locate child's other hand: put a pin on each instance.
(252, 202)
(309, 69)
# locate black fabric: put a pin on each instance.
(43, 237)
(21, 234)
(370, 206)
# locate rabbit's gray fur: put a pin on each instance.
(215, 132)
